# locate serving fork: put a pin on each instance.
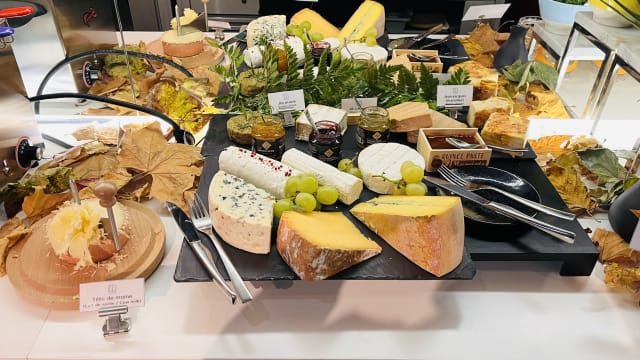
(456, 179)
(202, 221)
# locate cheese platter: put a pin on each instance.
(389, 264)
(483, 241)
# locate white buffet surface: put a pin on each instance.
(515, 310)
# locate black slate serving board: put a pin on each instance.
(523, 243)
(389, 264)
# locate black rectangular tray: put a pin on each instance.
(389, 264)
(523, 243)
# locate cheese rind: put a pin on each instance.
(317, 245)
(409, 116)
(261, 171)
(428, 230)
(349, 187)
(319, 113)
(507, 131)
(385, 159)
(271, 28)
(241, 213)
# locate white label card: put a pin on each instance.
(97, 295)
(350, 106)
(635, 238)
(284, 101)
(485, 12)
(454, 95)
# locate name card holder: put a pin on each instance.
(114, 323)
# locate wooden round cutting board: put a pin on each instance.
(39, 275)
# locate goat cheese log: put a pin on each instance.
(261, 171)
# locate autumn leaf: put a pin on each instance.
(11, 232)
(613, 248)
(571, 188)
(173, 167)
(76, 154)
(96, 166)
(40, 204)
(119, 177)
(553, 145)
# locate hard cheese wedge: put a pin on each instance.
(428, 230)
(317, 245)
(318, 23)
(370, 14)
(409, 116)
(241, 213)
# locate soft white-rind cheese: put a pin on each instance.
(385, 159)
(261, 171)
(349, 187)
(241, 213)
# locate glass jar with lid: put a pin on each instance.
(373, 126)
(325, 142)
(267, 134)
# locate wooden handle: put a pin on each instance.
(106, 192)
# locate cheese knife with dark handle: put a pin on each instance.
(557, 232)
(199, 249)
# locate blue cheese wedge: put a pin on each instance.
(319, 113)
(385, 159)
(241, 213)
(271, 27)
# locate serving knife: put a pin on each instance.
(199, 249)
(557, 232)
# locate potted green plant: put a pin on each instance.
(558, 15)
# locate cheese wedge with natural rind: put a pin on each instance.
(383, 160)
(409, 116)
(428, 230)
(370, 14)
(317, 244)
(349, 187)
(318, 23)
(241, 213)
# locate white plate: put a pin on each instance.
(379, 53)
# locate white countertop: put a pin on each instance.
(519, 310)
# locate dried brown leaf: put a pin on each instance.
(173, 167)
(96, 166)
(571, 188)
(11, 233)
(39, 204)
(554, 145)
(76, 154)
(102, 88)
(613, 248)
